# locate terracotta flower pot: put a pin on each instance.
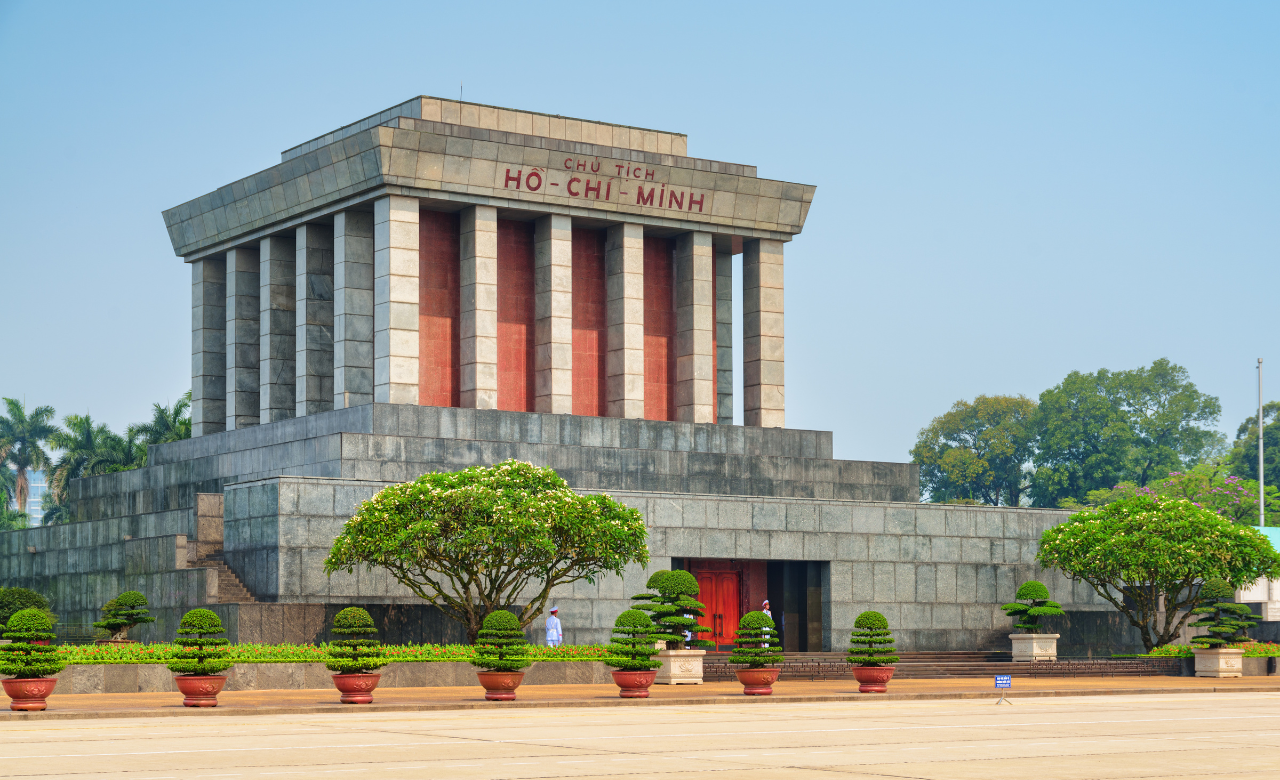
(29, 693)
(872, 679)
(38, 642)
(500, 686)
(757, 682)
(634, 685)
(356, 688)
(200, 690)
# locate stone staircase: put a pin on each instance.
(230, 589)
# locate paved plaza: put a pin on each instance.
(1223, 735)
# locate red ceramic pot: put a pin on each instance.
(116, 642)
(757, 682)
(872, 679)
(200, 690)
(500, 686)
(38, 642)
(634, 685)
(356, 688)
(29, 693)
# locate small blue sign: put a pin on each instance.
(1004, 681)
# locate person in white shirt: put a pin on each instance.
(554, 633)
(765, 609)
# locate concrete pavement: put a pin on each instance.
(1226, 735)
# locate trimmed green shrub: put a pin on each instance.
(1037, 605)
(872, 641)
(633, 643)
(201, 652)
(13, 600)
(500, 645)
(126, 611)
(755, 630)
(1226, 621)
(24, 660)
(675, 611)
(362, 653)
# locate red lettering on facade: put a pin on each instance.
(568, 163)
(532, 187)
(675, 201)
(587, 192)
(569, 186)
(510, 178)
(641, 200)
(662, 198)
(620, 167)
(582, 165)
(595, 166)
(607, 188)
(692, 200)
(648, 174)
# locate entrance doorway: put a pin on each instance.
(719, 590)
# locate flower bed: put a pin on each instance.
(160, 653)
(1251, 650)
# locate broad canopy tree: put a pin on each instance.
(1146, 555)
(482, 539)
(978, 450)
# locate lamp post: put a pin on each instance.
(1262, 503)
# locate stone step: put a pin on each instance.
(230, 589)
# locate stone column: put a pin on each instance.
(208, 346)
(553, 314)
(313, 335)
(352, 309)
(479, 308)
(762, 334)
(276, 301)
(624, 293)
(242, 337)
(395, 300)
(724, 334)
(695, 328)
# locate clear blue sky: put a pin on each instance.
(1006, 191)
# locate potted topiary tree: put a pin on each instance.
(1226, 623)
(29, 659)
(202, 656)
(355, 659)
(632, 654)
(751, 648)
(126, 611)
(1033, 603)
(676, 613)
(501, 653)
(872, 652)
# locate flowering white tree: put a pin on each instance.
(477, 540)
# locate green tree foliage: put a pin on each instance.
(167, 423)
(22, 659)
(1225, 620)
(360, 653)
(89, 449)
(13, 600)
(500, 645)
(751, 645)
(674, 609)
(202, 651)
(871, 641)
(633, 645)
(473, 541)
(22, 438)
(126, 611)
(1139, 551)
(1032, 603)
(1243, 457)
(1206, 485)
(978, 450)
(1097, 430)
(12, 519)
(8, 485)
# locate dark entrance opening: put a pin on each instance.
(733, 587)
(795, 594)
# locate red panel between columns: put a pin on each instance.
(515, 316)
(590, 328)
(659, 329)
(438, 308)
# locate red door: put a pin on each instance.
(719, 590)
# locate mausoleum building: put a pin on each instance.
(447, 284)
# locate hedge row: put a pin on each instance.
(160, 653)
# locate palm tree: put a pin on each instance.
(21, 435)
(168, 423)
(8, 485)
(12, 519)
(117, 454)
(82, 444)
